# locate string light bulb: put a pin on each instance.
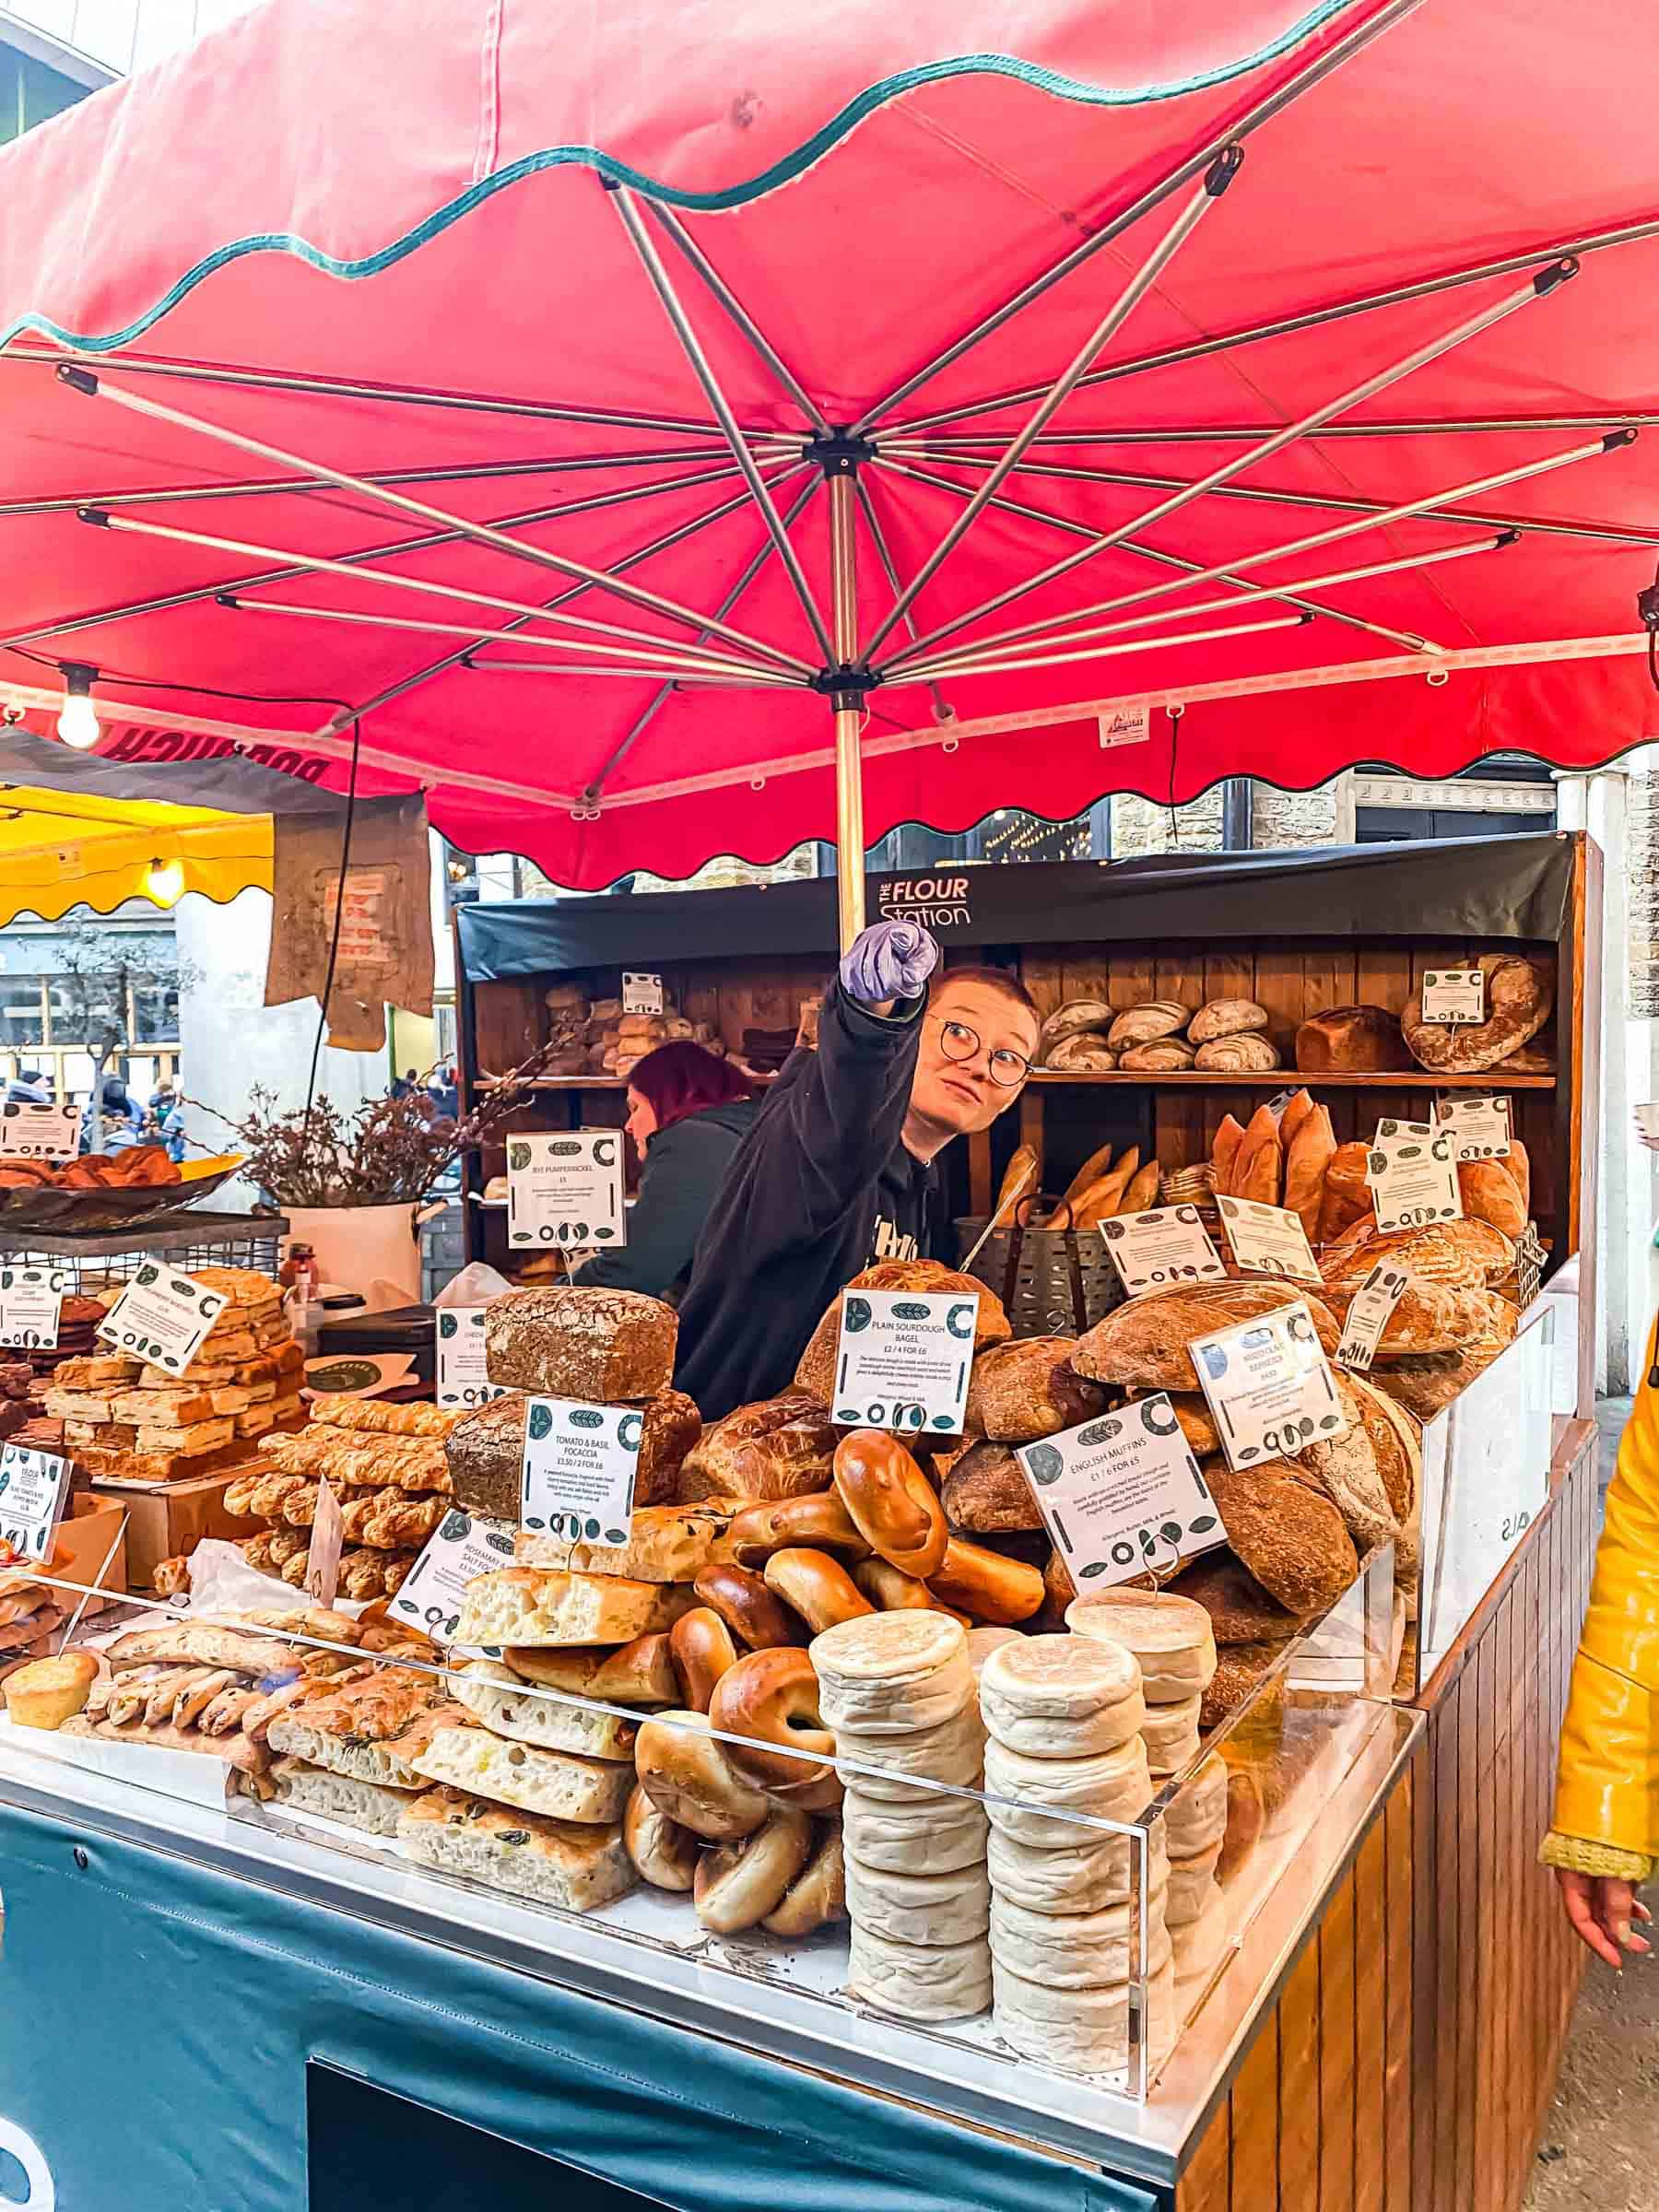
(77, 718)
(164, 881)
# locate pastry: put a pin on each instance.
(47, 1692)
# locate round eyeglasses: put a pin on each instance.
(958, 1041)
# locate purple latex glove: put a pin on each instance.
(889, 959)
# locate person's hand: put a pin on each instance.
(889, 960)
(1602, 1911)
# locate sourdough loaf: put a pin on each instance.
(1490, 1193)
(1520, 996)
(986, 1492)
(608, 1346)
(486, 1454)
(1087, 1053)
(816, 1373)
(1460, 1254)
(1075, 1019)
(777, 1448)
(1426, 1386)
(1240, 1611)
(1226, 1018)
(1144, 1344)
(1021, 1391)
(1245, 1051)
(1163, 1056)
(1352, 1040)
(1285, 1531)
(1145, 1024)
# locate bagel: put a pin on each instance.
(817, 1895)
(749, 1609)
(662, 1852)
(689, 1777)
(889, 1589)
(819, 1521)
(704, 1649)
(739, 1884)
(890, 1501)
(819, 1588)
(986, 1585)
(772, 1698)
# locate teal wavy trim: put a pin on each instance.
(781, 172)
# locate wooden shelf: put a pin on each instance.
(1290, 1078)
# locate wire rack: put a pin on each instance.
(182, 1240)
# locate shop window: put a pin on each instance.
(21, 1017)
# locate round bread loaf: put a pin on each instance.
(1286, 1531)
(1249, 1053)
(1226, 1018)
(779, 1447)
(934, 1835)
(1073, 1950)
(1345, 1468)
(1061, 1697)
(1081, 1056)
(1169, 1055)
(891, 1673)
(1171, 1736)
(1199, 1946)
(1072, 1019)
(986, 1492)
(1085, 1877)
(953, 1752)
(1145, 1024)
(1192, 1887)
(1195, 1817)
(945, 1982)
(1170, 1636)
(923, 1908)
(1239, 1668)
(1037, 1793)
(1240, 1611)
(1144, 1344)
(1026, 1389)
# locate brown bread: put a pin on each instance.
(1248, 1053)
(608, 1346)
(1352, 1040)
(777, 1448)
(1240, 1611)
(1311, 1146)
(1224, 1153)
(1019, 1392)
(1144, 1344)
(485, 1453)
(1520, 996)
(1226, 1018)
(1490, 1193)
(986, 1493)
(1286, 1532)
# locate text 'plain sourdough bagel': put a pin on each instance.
(816, 1373)
(890, 1501)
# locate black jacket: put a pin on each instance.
(683, 1168)
(821, 1186)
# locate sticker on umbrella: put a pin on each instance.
(1123, 1494)
(460, 1548)
(566, 1191)
(1269, 1385)
(903, 1360)
(579, 1468)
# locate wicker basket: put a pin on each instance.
(1053, 1282)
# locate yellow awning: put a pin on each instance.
(59, 849)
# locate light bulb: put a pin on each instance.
(164, 881)
(77, 719)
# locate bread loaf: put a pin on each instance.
(775, 1449)
(1311, 1147)
(1224, 1153)
(1520, 996)
(1226, 1018)
(986, 1492)
(1246, 1052)
(485, 1453)
(1075, 1018)
(1085, 1054)
(664, 1544)
(1145, 1024)
(1425, 1386)
(816, 1373)
(1490, 1193)
(1019, 1392)
(603, 1346)
(1352, 1040)
(1258, 1167)
(1286, 1532)
(1240, 1611)
(1348, 1196)
(1460, 1255)
(1144, 1344)
(1164, 1056)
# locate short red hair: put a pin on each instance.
(679, 1079)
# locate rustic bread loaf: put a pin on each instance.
(1491, 1193)
(816, 1373)
(1425, 1386)
(1397, 1442)
(1310, 1148)
(1520, 996)
(1285, 1531)
(603, 1346)
(1240, 1611)
(986, 1492)
(777, 1448)
(1477, 1322)
(1245, 1051)
(1145, 1024)
(1348, 1196)
(1019, 1392)
(1226, 1018)
(1239, 1667)
(1460, 1254)
(1084, 1054)
(1345, 1468)
(1224, 1153)
(1352, 1040)
(486, 1454)
(1074, 1018)
(1258, 1166)
(1163, 1056)
(1144, 1344)
(1427, 1319)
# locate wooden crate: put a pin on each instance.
(83, 1539)
(168, 1520)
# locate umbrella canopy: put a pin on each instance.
(1038, 403)
(57, 851)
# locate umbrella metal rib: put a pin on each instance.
(1546, 282)
(963, 444)
(674, 224)
(483, 533)
(924, 670)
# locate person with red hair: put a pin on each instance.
(688, 1111)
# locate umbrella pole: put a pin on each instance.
(849, 706)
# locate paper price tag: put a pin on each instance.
(327, 1542)
(31, 1300)
(1413, 1176)
(1268, 1239)
(161, 1317)
(459, 1548)
(642, 993)
(566, 1190)
(1454, 994)
(1169, 1245)
(1278, 1103)
(1530, 1256)
(31, 1130)
(902, 1360)
(1123, 1494)
(1269, 1386)
(1367, 1314)
(579, 1468)
(461, 1377)
(33, 1485)
(1480, 1128)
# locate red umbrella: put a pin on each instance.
(620, 425)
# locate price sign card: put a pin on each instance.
(566, 1190)
(1123, 1494)
(33, 1487)
(461, 1377)
(1480, 1128)
(1530, 1254)
(642, 993)
(1454, 994)
(161, 1317)
(1269, 1386)
(459, 1548)
(1367, 1315)
(1169, 1245)
(1413, 1176)
(903, 1360)
(30, 1301)
(580, 1464)
(1268, 1239)
(33, 1130)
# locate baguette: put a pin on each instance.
(1518, 1165)
(199, 1644)
(1103, 1199)
(1256, 1168)
(1018, 1179)
(1224, 1152)
(1143, 1189)
(1311, 1150)
(1093, 1168)
(1297, 1107)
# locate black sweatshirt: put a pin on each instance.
(683, 1168)
(820, 1187)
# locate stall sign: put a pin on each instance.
(1123, 1495)
(566, 1190)
(162, 1317)
(1367, 1315)
(460, 1548)
(1453, 996)
(1268, 1239)
(33, 1487)
(902, 1360)
(1155, 1251)
(1413, 1176)
(1269, 1386)
(1480, 1128)
(31, 1301)
(461, 1377)
(579, 1468)
(37, 1129)
(642, 993)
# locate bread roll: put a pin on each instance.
(922, 1909)
(46, 1692)
(1170, 1636)
(918, 1982)
(1248, 1053)
(1085, 1877)
(1073, 1950)
(1171, 1734)
(736, 1886)
(1352, 1040)
(953, 1752)
(986, 1583)
(1036, 1795)
(937, 1835)
(893, 1673)
(1061, 1697)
